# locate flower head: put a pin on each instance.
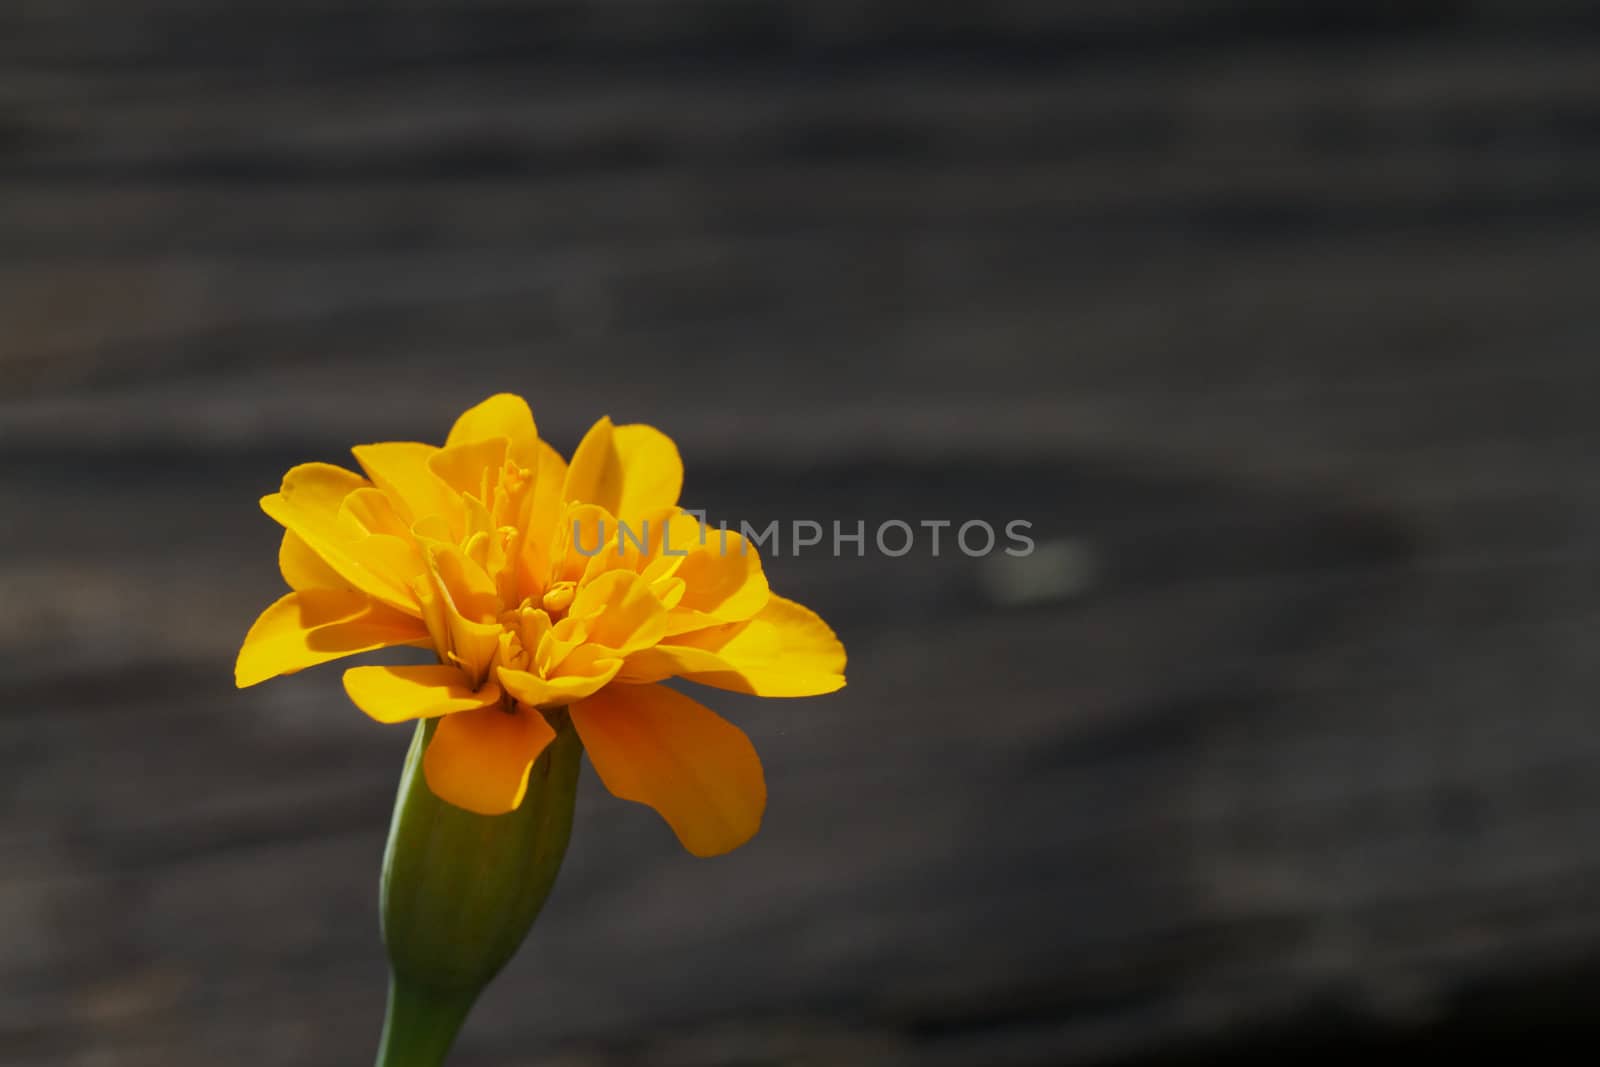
(541, 584)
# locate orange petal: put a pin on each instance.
(479, 760)
(656, 746)
(312, 626)
(399, 694)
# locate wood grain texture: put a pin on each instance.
(1279, 325)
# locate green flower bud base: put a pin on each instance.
(460, 892)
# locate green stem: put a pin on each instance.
(460, 890)
(421, 1024)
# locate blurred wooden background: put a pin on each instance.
(1278, 321)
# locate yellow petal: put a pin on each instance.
(317, 489)
(541, 528)
(551, 476)
(723, 582)
(470, 588)
(400, 469)
(675, 533)
(652, 470)
(785, 651)
(502, 415)
(595, 474)
(537, 692)
(620, 612)
(303, 568)
(532, 625)
(468, 607)
(587, 533)
(397, 694)
(479, 760)
(558, 644)
(656, 746)
(623, 546)
(630, 471)
(465, 468)
(435, 613)
(309, 505)
(669, 591)
(370, 511)
(312, 626)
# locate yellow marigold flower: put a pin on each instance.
(541, 584)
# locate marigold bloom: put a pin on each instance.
(541, 584)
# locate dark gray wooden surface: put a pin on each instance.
(1278, 321)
